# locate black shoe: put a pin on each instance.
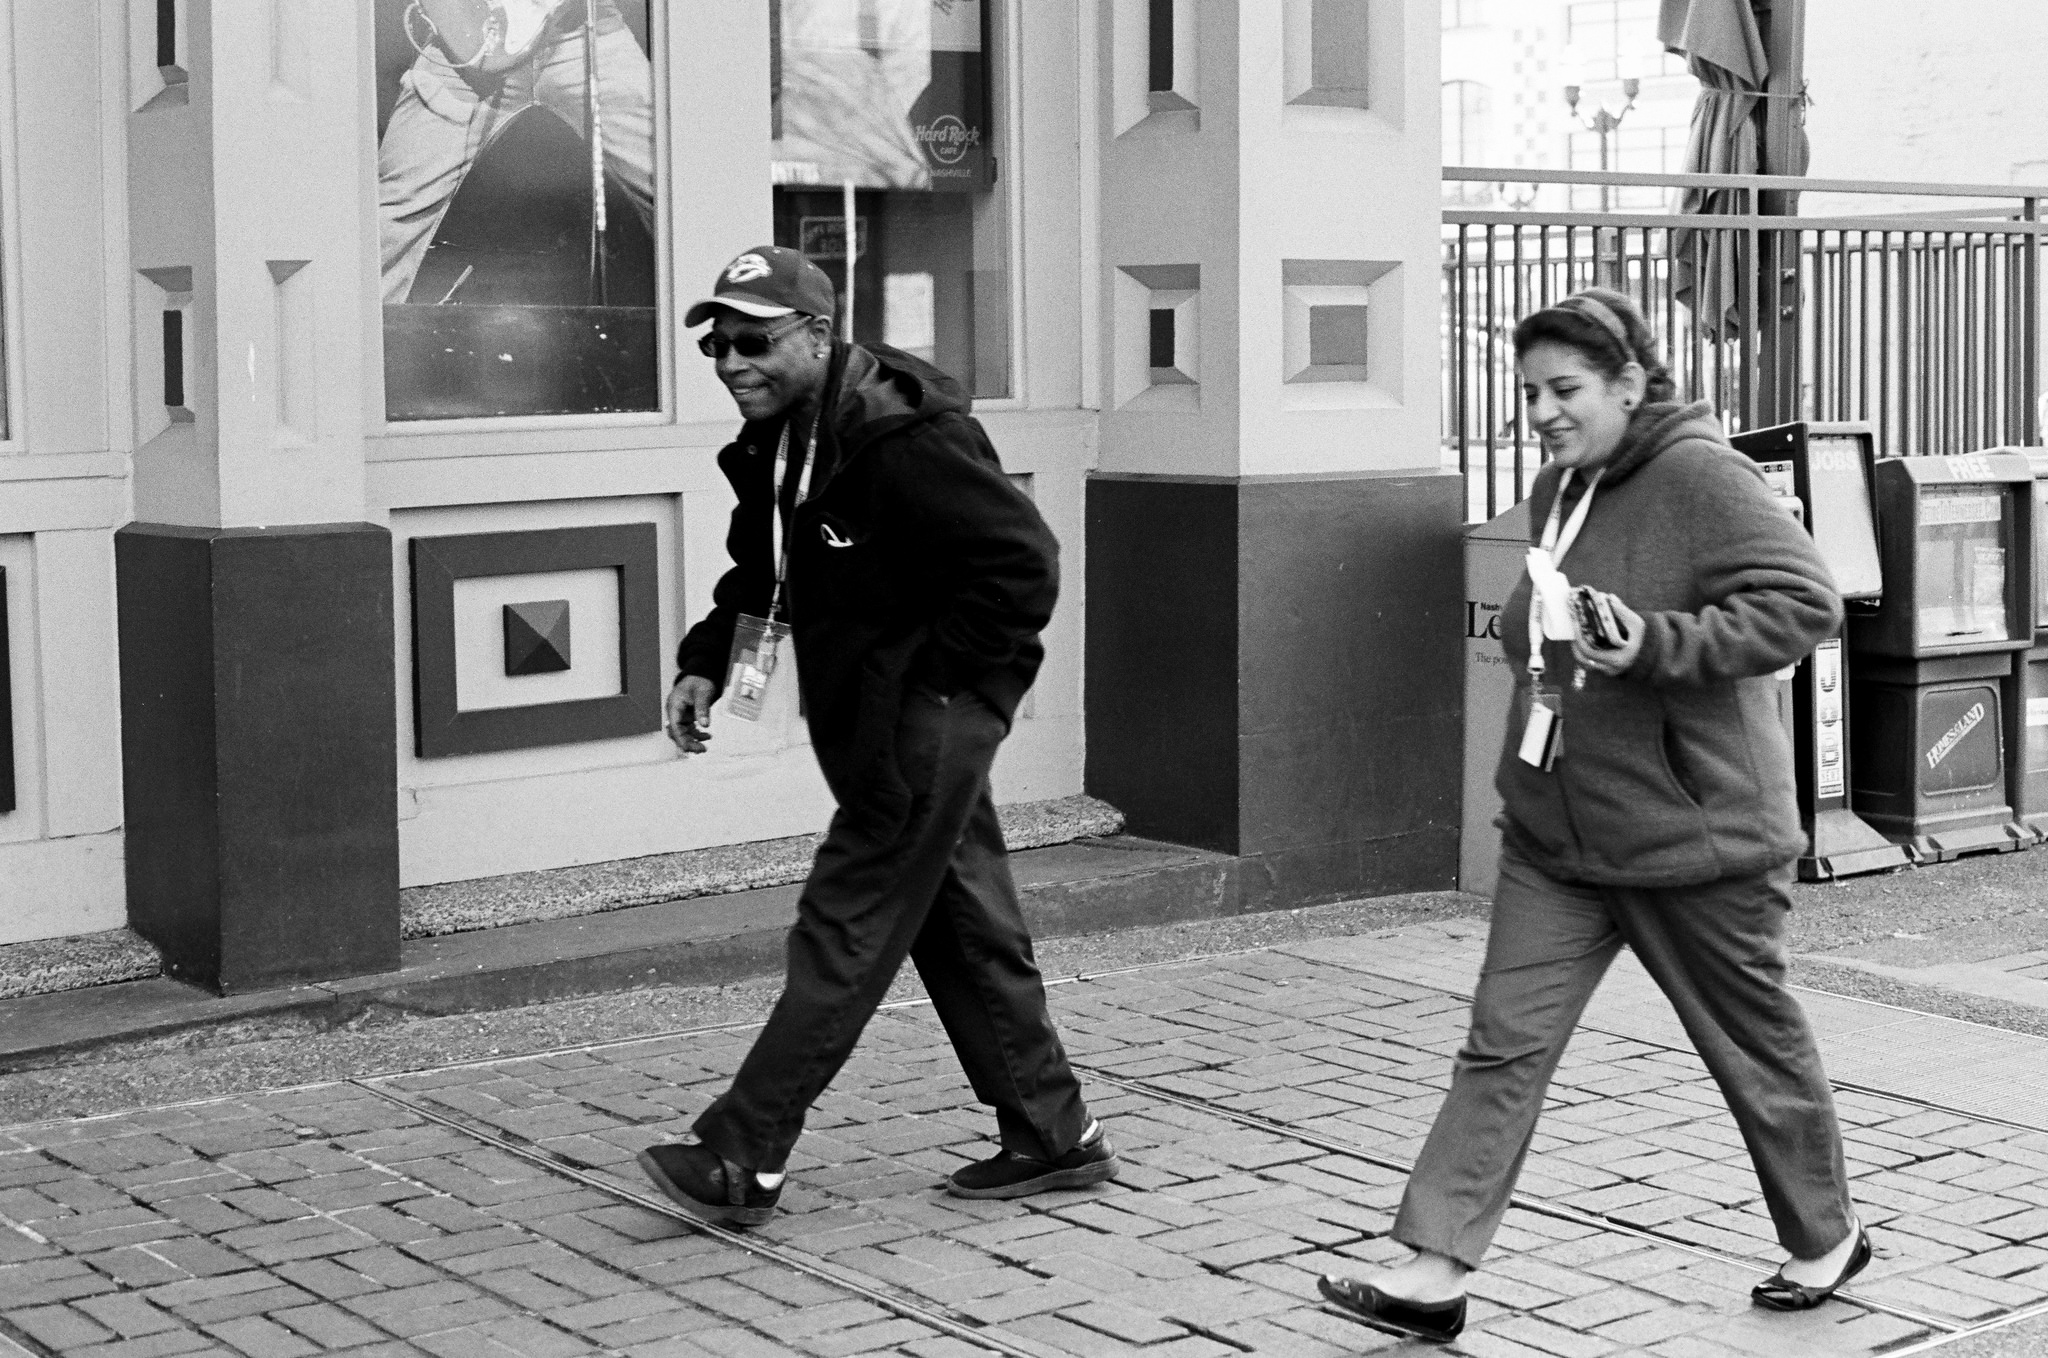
(1010, 1175)
(698, 1181)
(1779, 1293)
(1436, 1321)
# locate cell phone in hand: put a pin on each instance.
(1593, 612)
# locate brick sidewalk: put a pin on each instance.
(338, 1218)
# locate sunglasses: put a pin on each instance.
(747, 344)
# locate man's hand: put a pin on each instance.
(1613, 660)
(686, 715)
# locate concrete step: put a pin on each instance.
(45, 965)
(1088, 886)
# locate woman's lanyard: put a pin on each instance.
(803, 490)
(1547, 586)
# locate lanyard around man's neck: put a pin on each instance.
(803, 490)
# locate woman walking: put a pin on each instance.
(1648, 801)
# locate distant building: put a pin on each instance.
(1506, 67)
(1898, 90)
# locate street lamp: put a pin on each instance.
(1605, 124)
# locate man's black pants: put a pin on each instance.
(925, 876)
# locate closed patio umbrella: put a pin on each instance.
(1725, 51)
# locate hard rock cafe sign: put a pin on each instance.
(885, 94)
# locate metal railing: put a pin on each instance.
(1924, 324)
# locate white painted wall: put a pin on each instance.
(62, 466)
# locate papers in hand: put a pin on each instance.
(1550, 597)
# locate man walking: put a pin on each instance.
(875, 520)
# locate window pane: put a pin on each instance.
(516, 190)
(890, 103)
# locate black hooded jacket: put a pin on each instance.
(915, 560)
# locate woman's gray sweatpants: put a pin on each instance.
(1717, 952)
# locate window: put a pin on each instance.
(884, 121)
(1468, 109)
(1617, 39)
(1464, 14)
(1645, 149)
(516, 219)
(1636, 148)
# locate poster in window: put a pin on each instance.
(882, 94)
(516, 190)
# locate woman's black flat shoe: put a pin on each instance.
(1437, 1321)
(1779, 1293)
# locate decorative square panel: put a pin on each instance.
(1336, 336)
(496, 662)
(1341, 322)
(1328, 51)
(1157, 333)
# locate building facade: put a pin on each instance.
(357, 479)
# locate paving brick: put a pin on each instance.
(1065, 1337)
(162, 1344)
(126, 1314)
(1544, 1337)
(274, 1296)
(1122, 1322)
(261, 1338)
(880, 1337)
(591, 1315)
(328, 1326)
(384, 1266)
(451, 1315)
(41, 1281)
(199, 1257)
(60, 1327)
(134, 1266)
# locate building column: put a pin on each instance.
(1274, 556)
(255, 603)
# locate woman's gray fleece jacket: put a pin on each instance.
(1678, 771)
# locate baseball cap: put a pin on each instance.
(768, 280)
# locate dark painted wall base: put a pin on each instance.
(1274, 672)
(258, 725)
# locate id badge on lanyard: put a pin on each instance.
(756, 647)
(1543, 733)
(1550, 617)
(757, 643)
